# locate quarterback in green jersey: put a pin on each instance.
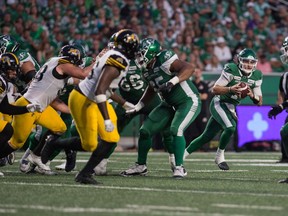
(227, 92)
(180, 101)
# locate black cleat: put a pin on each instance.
(70, 160)
(283, 160)
(11, 158)
(283, 181)
(223, 166)
(86, 179)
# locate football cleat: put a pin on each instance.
(137, 169)
(179, 172)
(25, 166)
(86, 179)
(3, 161)
(283, 181)
(11, 158)
(223, 165)
(36, 160)
(61, 166)
(101, 168)
(1, 174)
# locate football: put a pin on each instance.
(244, 89)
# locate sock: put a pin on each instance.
(38, 148)
(219, 156)
(111, 151)
(186, 154)
(179, 148)
(144, 145)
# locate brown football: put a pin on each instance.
(244, 89)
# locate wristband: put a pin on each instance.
(174, 80)
(100, 98)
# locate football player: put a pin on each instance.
(131, 89)
(45, 87)
(283, 97)
(9, 69)
(227, 96)
(90, 109)
(28, 65)
(180, 105)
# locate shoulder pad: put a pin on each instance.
(230, 68)
(22, 54)
(117, 61)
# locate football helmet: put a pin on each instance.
(8, 44)
(9, 61)
(72, 54)
(127, 42)
(247, 60)
(148, 50)
(111, 41)
(284, 51)
(81, 48)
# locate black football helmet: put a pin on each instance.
(72, 54)
(127, 42)
(9, 61)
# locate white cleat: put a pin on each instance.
(1, 174)
(101, 168)
(41, 168)
(179, 172)
(61, 166)
(135, 170)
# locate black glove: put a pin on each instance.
(166, 87)
(275, 110)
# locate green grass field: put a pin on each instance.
(249, 188)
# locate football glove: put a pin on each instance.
(109, 127)
(166, 87)
(275, 110)
(33, 108)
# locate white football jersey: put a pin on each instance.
(112, 58)
(46, 84)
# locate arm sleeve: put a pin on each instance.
(7, 108)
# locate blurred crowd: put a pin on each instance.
(206, 32)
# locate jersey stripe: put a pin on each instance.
(113, 62)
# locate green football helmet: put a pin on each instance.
(111, 41)
(284, 51)
(247, 60)
(8, 44)
(149, 49)
(81, 48)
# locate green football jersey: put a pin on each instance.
(160, 74)
(132, 86)
(232, 73)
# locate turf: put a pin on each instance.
(249, 188)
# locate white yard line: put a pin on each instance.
(271, 208)
(145, 189)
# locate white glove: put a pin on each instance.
(136, 108)
(109, 127)
(128, 106)
(33, 108)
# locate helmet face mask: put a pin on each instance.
(9, 66)
(284, 51)
(247, 60)
(71, 54)
(127, 42)
(149, 49)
